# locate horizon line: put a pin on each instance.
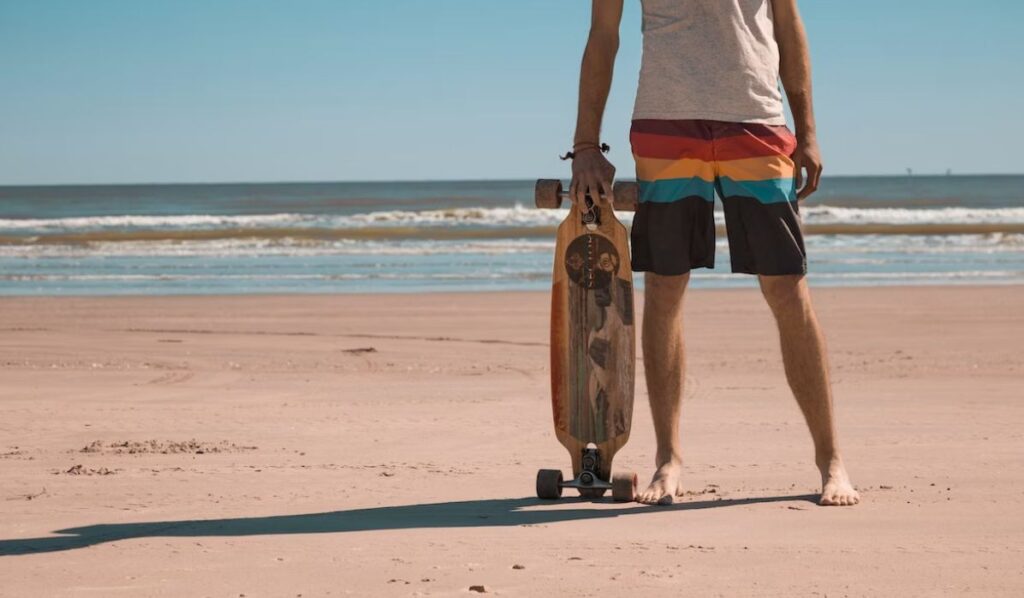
(447, 180)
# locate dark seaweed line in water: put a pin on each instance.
(483, 341)
(454, 233)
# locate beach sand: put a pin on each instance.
(387, 446)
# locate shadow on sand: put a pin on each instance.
(472, 513)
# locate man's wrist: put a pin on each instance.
(579, 147)
(806, 135)
(583, 146)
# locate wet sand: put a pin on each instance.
(374, 445)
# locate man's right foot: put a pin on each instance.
(836, 488)
(665, 486)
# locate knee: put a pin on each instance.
(663, 295)
(660, 283)
(664, 288)
(785, 294)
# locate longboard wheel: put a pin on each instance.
(627, 195)
(624, 486)
(549, 483)
(548, 193)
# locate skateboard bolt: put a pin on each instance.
(587, 478)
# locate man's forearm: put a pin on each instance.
(595, 82)
(795, 66)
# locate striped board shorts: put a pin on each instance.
(681, 164)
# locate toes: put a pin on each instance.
(838, 499)
(655, 497)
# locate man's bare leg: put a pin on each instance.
(662, 340)
(806, 363)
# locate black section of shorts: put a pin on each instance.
(672, 238)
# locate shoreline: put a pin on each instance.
(748, 284)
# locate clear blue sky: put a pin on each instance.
(260, 90)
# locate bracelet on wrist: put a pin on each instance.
(585, 145)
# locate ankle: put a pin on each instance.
(668, 458)
(828, 460)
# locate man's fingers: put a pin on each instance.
(580, 193)
(608, 189)
(588, 187)
(813, 176)
(798, 172)
(805, 191)
(585, 190)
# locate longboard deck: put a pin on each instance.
(592, 338)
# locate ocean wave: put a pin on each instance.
(911, 216)
(515, 217)
(141, 221)
(285, 247)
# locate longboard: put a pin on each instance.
(592, 343)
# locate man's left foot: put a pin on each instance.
(836, 488)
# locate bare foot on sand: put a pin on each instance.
(836, 488)
(665, 485)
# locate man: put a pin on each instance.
(709, 118)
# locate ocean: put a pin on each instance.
(458, 236)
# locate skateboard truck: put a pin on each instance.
(589, 482)
(589, 476)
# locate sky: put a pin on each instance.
(121, 91)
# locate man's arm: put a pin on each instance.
(795, 71)
(591, 172)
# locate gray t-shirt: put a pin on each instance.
(709, 59)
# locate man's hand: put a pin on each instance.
(592, 174)
(807, 157)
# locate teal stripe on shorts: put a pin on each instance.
(669, 190)
(766, 191)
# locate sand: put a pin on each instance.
(387, 446)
